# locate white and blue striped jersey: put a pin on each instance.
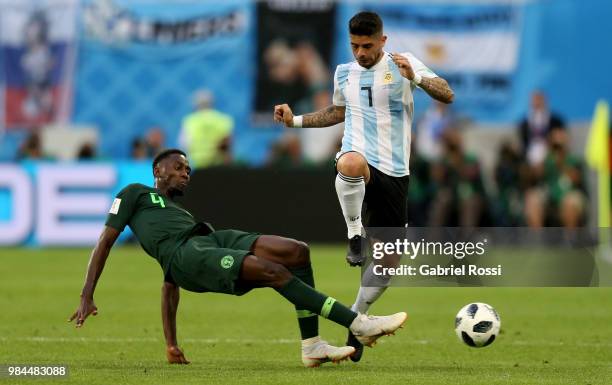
(379, 107)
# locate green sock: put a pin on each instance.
(307, 320)
(305, 297)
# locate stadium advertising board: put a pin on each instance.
(60, 204)
(66, 204)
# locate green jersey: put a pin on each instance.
(160, 225)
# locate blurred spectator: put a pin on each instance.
(87, 152)
(314, 75)
(206, 133)
(296, 74)
(419, 188)
(509, 179)
(459, 196)
(139, 149)
(31, 148)
(281, 64)
(559, 198)
(534, 129)
(155, 141)
(431, 127)
(287, 152)
(333, 149)
(149, 146)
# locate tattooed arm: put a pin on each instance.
(438, 89)
(326, 117)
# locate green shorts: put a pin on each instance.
(212, 263)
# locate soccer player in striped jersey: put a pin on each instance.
(373, 96)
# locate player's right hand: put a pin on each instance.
(86, 307)
(282, 113)
(175, 355)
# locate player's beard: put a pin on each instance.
(175, 192)
(369, 63)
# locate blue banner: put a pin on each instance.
(141, 62)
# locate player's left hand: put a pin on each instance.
(175, 355)
(404, 66)
(86, 308)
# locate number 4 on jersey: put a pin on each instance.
(157, 199)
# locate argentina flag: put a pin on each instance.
(475, 46)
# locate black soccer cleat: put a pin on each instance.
(352, 341)
(354, 256)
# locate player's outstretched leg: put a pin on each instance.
(367, 329)
(366, 296)
(353, 174)
(295, 256)
(375, 286)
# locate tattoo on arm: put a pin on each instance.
(326, 117)
(438, 89)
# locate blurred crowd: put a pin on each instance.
(535, 182)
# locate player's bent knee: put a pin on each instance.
(352, 164)
(301, 254)
(276, 275)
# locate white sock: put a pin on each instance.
(367, 295)
(351, 191)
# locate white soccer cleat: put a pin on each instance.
(320, 352)
(368, 328)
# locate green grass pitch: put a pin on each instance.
(549, 336)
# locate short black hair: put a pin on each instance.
(365, 24)
(166, 153)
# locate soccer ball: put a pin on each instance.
(477, 324)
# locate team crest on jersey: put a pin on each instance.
(388, 78)
(227, 261)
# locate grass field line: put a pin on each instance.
(264, 341)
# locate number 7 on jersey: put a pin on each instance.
(369, 89)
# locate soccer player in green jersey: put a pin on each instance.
(197, 258)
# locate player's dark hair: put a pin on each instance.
(166, 153)
(365, 24)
